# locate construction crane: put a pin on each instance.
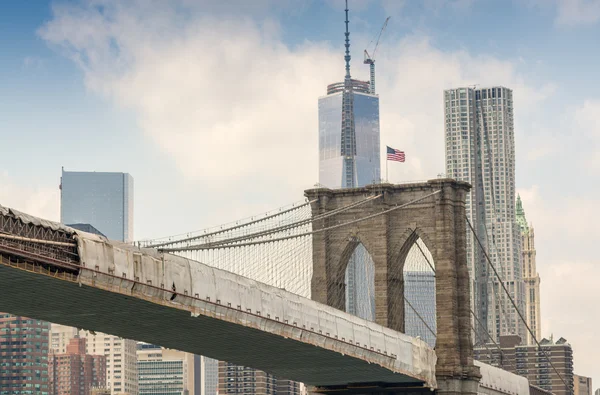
(370, 60)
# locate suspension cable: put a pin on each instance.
(232, 227)
(288, 226)
(514, 304)
(209, 246)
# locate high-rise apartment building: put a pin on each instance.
(480, 149)
(103, 200)
(75, 372)
(235, 379)
(121, 357)
(582, 385)
(530, 276)
(536, 364)
(167, 372)
(23, 356)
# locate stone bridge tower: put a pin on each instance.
(439, 219)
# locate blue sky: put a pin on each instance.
(211, 106)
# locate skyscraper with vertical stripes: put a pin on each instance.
(480, 149)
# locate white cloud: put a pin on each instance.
(39, 201)
(578, 12)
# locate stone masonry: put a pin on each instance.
(439, 220)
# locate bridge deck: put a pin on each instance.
(129, 292)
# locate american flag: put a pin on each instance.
(394, 154)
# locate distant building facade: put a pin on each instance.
(209, 375)
(60, 337)
(235, 379)
(419, 305)
(75, 372)
(103, 200)
(530, 362)
(121, 360)
(23, 355)
(87, 228)
(480, 149)
(582, 385)
(167, 372)
(121, 357)
(530, 275)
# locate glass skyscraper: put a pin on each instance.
(103, 200)
(349, 161)
(348, 158)
(480, 149)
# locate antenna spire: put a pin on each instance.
(347, 56)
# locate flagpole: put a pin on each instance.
(386, 171)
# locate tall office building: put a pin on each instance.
(349, 157)
(480, 149)
(530, 276)
(167, 372)
(120, 354)
(23, 355)
(103, 200)
(75, 372)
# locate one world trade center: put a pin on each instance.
(349, 158)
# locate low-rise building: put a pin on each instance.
(582, 385)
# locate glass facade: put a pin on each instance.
(103, 200)
(366, 124)
(334, 173)
(420, 319)
(366, 128)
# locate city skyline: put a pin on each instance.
(556, 107)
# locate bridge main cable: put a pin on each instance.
(262, 219)
(216, 245)
(288, 226)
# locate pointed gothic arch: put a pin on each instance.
(434, 212)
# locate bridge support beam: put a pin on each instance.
(434, 212)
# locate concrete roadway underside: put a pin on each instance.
(40, 296)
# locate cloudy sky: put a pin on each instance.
(211, 105)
